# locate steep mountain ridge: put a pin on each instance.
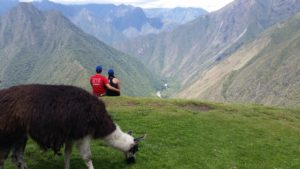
(39, 47)
(270, 76)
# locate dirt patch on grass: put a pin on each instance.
(131, 103)
(156, 104)
(198, 108)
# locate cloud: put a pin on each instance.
(210, 5)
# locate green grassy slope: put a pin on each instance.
(191, 134)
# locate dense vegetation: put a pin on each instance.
(191, 134)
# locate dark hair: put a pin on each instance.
(111, 74)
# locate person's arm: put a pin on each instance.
(108, 86)
(118, 84)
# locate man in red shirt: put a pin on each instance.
(100, 83)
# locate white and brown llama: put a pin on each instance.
(55, 116)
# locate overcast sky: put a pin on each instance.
(209, 5)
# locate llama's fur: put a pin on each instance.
(53, 116)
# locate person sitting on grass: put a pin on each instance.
(114, 82)
(100, 83)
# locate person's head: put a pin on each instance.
(99, 69)
(111, 72)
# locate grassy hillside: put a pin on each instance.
(191, 134)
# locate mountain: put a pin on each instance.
(267, 70)
(175, 15)
(38, 47)
(184, 54)
(116, 23)
(107, 22)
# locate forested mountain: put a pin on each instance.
(38, 47)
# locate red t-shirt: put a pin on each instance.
(98, 83)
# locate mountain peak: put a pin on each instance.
(25, 6)
(24, 10)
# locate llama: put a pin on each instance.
(55, 116)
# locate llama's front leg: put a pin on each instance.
(18, 153)
(85, 151)
(67, 155)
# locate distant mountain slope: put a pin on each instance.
(39, 47)
(270, 75)
(114, 23)
(107, 22)
(191, 49)
(175, 15)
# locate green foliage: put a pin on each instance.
(192, 134)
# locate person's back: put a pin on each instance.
(98, 84)
(114, 82)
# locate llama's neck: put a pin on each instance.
(120, 140)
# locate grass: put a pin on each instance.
(185, 134)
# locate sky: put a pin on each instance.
(209, 5)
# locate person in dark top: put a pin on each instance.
(100, 83)
(114, 82)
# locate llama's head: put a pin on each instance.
(124, 142)
(130, 154)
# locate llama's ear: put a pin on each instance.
(130, 132)
(139, 139)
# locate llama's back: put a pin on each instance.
(54, 114)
